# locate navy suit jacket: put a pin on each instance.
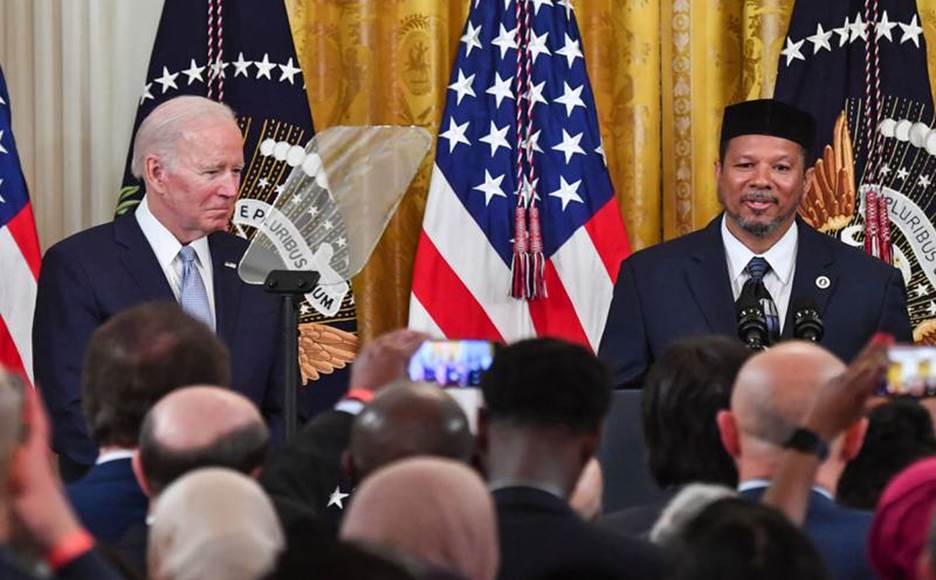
(91, 276)
(540, 536)
(108, 500)
(840, 534)
(681, 288)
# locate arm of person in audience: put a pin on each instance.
(840, 403)
(40, 508)
(384, 359)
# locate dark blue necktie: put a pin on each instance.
(757, 268)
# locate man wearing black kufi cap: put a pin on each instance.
(688, 286)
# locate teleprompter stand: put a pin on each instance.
(291, 285)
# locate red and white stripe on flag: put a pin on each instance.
(545, 108)
(460, 284)
(19, 253)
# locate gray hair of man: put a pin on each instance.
(165, 124)
(214, 524)
(684, 508)
(11, 422)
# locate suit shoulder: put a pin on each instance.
(94, 237)
(675, 249)
(229, 242)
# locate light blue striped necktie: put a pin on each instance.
(192, 294)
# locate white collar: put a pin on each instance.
(763, 483)
(164, 243)
(781, 256)
(506, 483)
(113, 455)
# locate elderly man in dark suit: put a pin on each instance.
(189, 152)
(544, 402)
(772, 395)
(758, 246)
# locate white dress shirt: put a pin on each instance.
(781, 257)
(166, 247)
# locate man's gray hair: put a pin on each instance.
(160, 130)
(684, 508)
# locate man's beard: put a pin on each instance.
(758, 229)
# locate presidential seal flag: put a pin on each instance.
(242, 53)
(522, 235)
(859, 66)
(19, 252)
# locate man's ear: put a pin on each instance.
(807, 176)
(154, 172)
(590, 445)
(854, 439)
(718, 169)
(137, 465)
(728, 432)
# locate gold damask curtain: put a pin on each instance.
(661, 70)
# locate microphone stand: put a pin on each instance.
(291, 285)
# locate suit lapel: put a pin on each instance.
(815, 276)
(707, 276)
(227, 285)
(140, 261)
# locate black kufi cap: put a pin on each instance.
(768, 117)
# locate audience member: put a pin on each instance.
(545, 400)
(434, 510)
(683, 392)
(308, 470)
(31, 499)
(197, 426)
(587, 497)
(214, 524)
(902, 521)
(734, 539)
(773, 392)
(684, 507)
(404, 420)
(200, 426)
(900, 432)
(134, 359)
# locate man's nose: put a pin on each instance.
(761, 175)
(230, 185)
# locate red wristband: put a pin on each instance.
(69, 548)
(362, 395)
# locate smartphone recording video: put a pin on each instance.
(451, 363)
(911, 371)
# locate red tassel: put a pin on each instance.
(538, 266)
(519, 264)
(871, 222)
(884, 231)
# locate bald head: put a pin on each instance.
(774, 389)
(201, 426)
(409, 419)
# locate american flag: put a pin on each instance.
(19, 252)
(462, 275)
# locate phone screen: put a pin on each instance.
(911, 371)
(451, 363)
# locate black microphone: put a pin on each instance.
(752, 323)
(807, 323)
